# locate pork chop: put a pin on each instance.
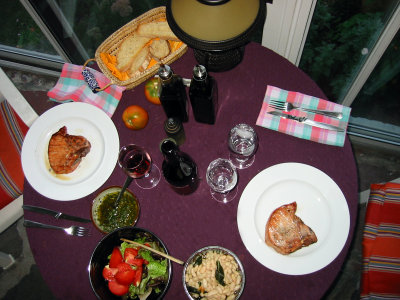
(66, 151)
(286, 232)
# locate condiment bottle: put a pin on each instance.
(178, 168)
(203, 93)
(173, 94)
(174, 129)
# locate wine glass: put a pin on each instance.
(222, 178)
(243, 144)
(137, 164)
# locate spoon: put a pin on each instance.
(126, 184)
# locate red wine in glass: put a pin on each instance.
(137, 163)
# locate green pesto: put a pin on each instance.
(124, 214)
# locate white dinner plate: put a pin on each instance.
(95, 168)
(320, 204)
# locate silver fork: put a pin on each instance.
(287, 106)
(73, 230)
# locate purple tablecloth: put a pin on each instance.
(187, 223)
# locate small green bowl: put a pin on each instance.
(101, 208)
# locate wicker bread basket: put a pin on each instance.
(112, 43)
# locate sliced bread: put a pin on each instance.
(140, 61)
(159, 29)
(159, 48)
(129, 49)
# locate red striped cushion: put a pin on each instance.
(12, 133)
(381, 243)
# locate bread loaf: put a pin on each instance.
(157, 30)
(129, 49)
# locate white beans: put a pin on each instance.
(202, 276)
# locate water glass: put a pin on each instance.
(243, 144)
(222, 178)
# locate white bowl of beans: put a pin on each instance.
(213, 272)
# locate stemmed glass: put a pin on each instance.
(243, 144)
(222, 178)
(137, 164)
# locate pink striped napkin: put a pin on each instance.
(300, 130)
(72, 86)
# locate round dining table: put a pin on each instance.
(186, 223)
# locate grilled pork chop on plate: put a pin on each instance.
(286, 232)
(66, 151)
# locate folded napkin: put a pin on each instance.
(301, 130)
(381, 243)
(72, 87)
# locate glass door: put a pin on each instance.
(352, 52)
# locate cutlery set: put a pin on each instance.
(306, 121)
(72, 230)
(287, 107)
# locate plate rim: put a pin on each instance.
(107, 163)
(249, 240)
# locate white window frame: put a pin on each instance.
(286, 27)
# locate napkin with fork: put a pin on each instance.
(72, 86)
(301, 130)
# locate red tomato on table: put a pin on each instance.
(151, 91)
(135, 117)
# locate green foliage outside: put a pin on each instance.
(20, 31)
(332, 54)
(95, 21)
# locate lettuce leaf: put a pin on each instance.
(155, 268)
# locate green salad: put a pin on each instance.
(136, 272)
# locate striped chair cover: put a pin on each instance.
(12, 133)
(381, 243)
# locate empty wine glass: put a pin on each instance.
(243, 144)
(137, 164)
(222, 178)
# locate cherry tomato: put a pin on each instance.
(109, 273)
(116, 258)
(138, 276)
(122, 267)
(125, 277)
(135, 117)
(130, 253)
(118, 289)
(151, 90)
(135, 261)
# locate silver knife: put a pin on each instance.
(306, 121)
(55, 214)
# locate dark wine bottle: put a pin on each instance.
(173, 96)
(178, 168)
(203, 94)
